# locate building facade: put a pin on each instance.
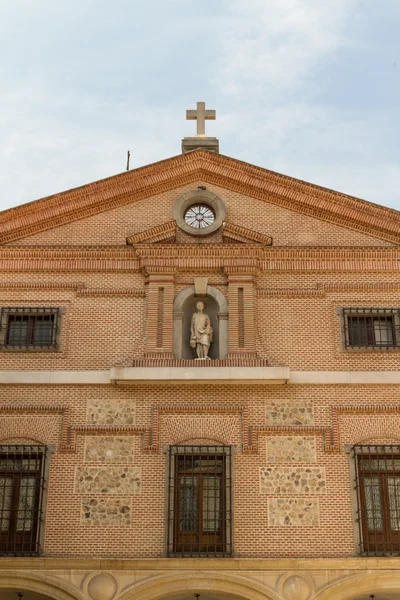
(199, 389)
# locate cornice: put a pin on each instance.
(281, 190)
(158, 258)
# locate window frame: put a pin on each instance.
(383, 541)
(364, 313)
(173, 546)
(13, 542)
(30, 312)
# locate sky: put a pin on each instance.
(308, 88)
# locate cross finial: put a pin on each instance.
(201, 115)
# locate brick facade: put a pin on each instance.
(115, 265)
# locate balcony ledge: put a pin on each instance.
(181, 375)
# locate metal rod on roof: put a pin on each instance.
(127, 160)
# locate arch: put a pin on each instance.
(229, 584)
(179, 304)
(53, 588)
(352, 588)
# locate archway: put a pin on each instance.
(35, 587)
(210, 586)
(384, 585)
(216, 306)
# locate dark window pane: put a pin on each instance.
(17, 330)
(43, 330)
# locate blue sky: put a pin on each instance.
(309, 88)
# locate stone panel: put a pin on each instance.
(111, 412)
(296, 449)
(107, 480)
(293, 512)
(276, 481)
(287, 413)
(109, 449)
(97, 512)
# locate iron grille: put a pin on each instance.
(377, 479)
(200, 501)
(22, 470)
(29, 327)
(376, 328)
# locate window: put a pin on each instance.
(29, 328)
(378, 487)
(21, 499)
(200, 501)
(371, 328)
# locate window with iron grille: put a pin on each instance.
(22, 478)
(371, 328)
(29, 328)
(377, 476)
(200, 501)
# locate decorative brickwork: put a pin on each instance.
(106, 512)
(259, 183)
(109, 437)
(293, 512)
(107, 480)
(289, 481)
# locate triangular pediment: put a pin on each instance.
(200, 165)
(166, 232)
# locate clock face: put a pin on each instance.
(199, 216)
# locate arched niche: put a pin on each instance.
(215, 306)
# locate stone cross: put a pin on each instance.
(201, 115)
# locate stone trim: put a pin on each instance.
(250, 367)
(192, 197)
(274, 188)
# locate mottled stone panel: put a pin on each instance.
(276, 481)
(107, 480)
(293, 512)
(109, 449)
(98, 512)
(287, 413)
(296, 449)
(111, 412)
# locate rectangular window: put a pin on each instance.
(376, 328)
(378, 487)
(22, 471)
(29, 328)
(200, 501)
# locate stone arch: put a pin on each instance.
(181, 301)
(52, 588)
(355, 587)
(229, 584)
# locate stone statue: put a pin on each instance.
(201, 332)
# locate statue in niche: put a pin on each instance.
(201, 332)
